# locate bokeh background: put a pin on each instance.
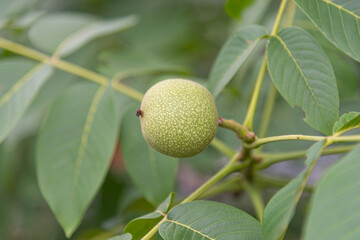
(174, 38)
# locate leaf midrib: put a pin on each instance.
(81, 30)
(251, 45)
(188, 227)
(86, 132)
(59, 50)
(18, 85)
(303, 76)
(341, 8)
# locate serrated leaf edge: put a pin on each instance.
(324, 33)
(303, 76)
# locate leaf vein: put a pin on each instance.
(86, 132)
(240, 55)
(343, 28)
(340, 8)
(188, 227)
(19, 84)
(303, 76)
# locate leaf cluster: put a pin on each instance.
(72, 92)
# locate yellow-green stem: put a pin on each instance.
(331, 139)
(67, 67)
(231, 184)
(249, 119)
(154, 230)
(241, 131)
(290, 13)
(256, 198)
(79, 71)
(228, 169)
(278, 17)
(231, 167)
(122, 88)
(269, 105)
(271, 182)
(23, 50)
(270, 100)
(89, 75)
(273, 158)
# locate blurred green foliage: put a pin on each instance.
(173, 38)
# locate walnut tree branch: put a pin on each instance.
(241, 131)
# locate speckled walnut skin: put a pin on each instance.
(178, 117)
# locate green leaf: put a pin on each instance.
(338, 20)
(303, 75)
(347, 121)
(334, 211)
(13, 9)
(281, 207)
(93, 31)
(72, 31)
(25, 20)
(158, 236)
(74, 150)
(139, 227)
(20, 82)
(8, 7)
(136, 62)
(44, 35)
(152, 172)
(166, 205)
(234, 8)
(126, 236)
(232, 55)
(209, 220)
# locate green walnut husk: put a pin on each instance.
(178, 117)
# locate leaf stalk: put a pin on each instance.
(241, 131)
(273, 158)
(329, 139)
(249, 119)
